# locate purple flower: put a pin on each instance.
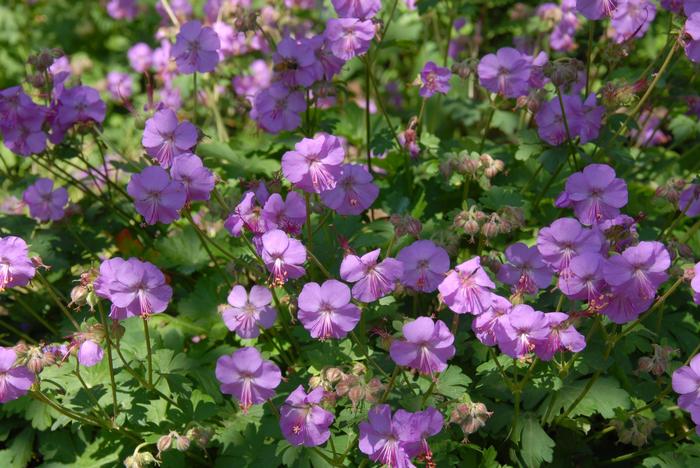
(122, 9)
(165, 139)
(248, 313)
(631, 19)
(495, 317)
(25, 134)
(156, 197)
(621, 307)
(424, 265)
(526, 271)
(689, 201)
(507, 72)
(650, 133)
(434, 79)
(250, 85)
(694, 283)
(302, 419)
(296, 63)
(521, 332)
(596, 194)
(246, 215)
(326, 311)
(245, 375)
(349, 37)
(90, 353)
(562, 336)
(686, 383)
(119, 85)
(277, 108)
(583, 119)
(45, 203)
(315, 164)
(692, 30)
(288, 215)
(565, 239)
(330, 63)
(584, 278)
(639, 270)
(140, 57)
(363, 9)
(373, 279)
(136, 288)
(466, 289)
(354, 192)
(198, 181)
(427, 423)
(596, 9)
(283, 256)
(16, 268)
(427, 346)
(80, 104)
(195, 48)
(384, 439)
(15, 381)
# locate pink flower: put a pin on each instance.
(373, 279)
(16, 268)
(326, 311)
(283, 256)
(156, 197)
(45, 204)
(90, 353)
(278, 108)
(434, 79)
(165, 138)
(15, 381)
(302, 419)
(467, 288)
(288, 215)
(349, 37)
(315, 164)
(427, 346)
(424, 265)
(526, 271)
(195, 48)
(354, 192)
(248, 313)
(245, 375)
(198, 181)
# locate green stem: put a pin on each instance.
(309, 228)
(54, 295)
(204, 241)
(368, 129)
(659, 302)
(92, 398)
(591, 26)
(148, 351)
(194, 98)
(18, 332)
(110, 358)
(35, 314)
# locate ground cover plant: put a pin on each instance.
(349, 233)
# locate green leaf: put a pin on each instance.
(603, 398)
(530, 145)
(498, 197)
(238, 164)
(536, 446)
(183, 251)
(453, 383)
(19, 450)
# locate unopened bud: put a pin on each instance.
(182, 443)
(333, 374)
(164, 443)
(359, 369)
(78, 296)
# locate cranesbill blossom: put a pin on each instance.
(156, 197)
(251, 84)
(363, 9)
(348, 37)
(467, 288)
(248, 377)
(296, 63)
(689, 201)
(686, 383)
(596, 9)
(122, 9)
(631, 19)
(525, 271)
(493, 318)
(140, 57)
(692, 30)
(283, 256)
(288, 215)
(596, 194)
(45, 203)
(198, 181)
(195, 48)
(16, 268)
(622, 307)
(384, 438)
(582, 118)
(315, 164)
(165, 138)
(584, 280)
(424, 265)
(522, 331)
(562, 336)
(135, 287)
(694, 283)
(278, 108)
(80, 104)
(426, 347)
(119, 85)
(248, 215)
(354, 191)
(247, 313)
(434, 79)
(565, 239)
(427, 423)
(639, 270)
(506, 72)
(15, 381)
(326, 311)
(373, 278)
(26, 136)
(302, 419)
(90, 353)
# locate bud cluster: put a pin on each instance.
(474, 221)
(353, 384)
(637, 432)
(470, 417)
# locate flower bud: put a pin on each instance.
(78, 296)
(315, 381)
(164, 443)
(359, 369)
(333, 374)
(200, 435)
(490, 229)
(470, 416)
(91, 300)
(463, 69)
(563, 72)
(182, 443)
